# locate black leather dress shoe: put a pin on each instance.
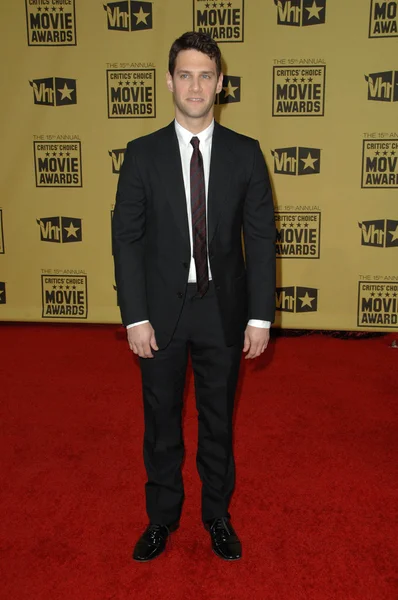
(152, 542)
(224, 541)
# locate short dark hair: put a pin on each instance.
(194, 40)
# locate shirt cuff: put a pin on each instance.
(135, 324)
(258, 323)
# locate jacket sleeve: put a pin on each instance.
(128, 238)
(259, 240)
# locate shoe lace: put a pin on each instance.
(220, 528)
(154, 531)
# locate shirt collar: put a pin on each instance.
(184, 136)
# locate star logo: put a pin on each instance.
(394, 234)
(66, 92)
(306, 300)
(229, 90)
(313, 11)
(309, 162)
(72, 230)
(141, 16)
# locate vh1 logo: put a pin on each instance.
(297, 160)
(298, 13)
(296, 299)
(60, 230)
(54, 91)
(129, 15)
(117, 157)
(380, 233)
(383, 86)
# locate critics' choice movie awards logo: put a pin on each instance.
(129, 15)
(300, 12)
(383, 86)
(297, 160)
(223, 21)
(298, 234)
(3, 297)
(131, 93)
(54, 91)
(296, 299)
(231, 89)
(377, 304)
(58, 164)
(117, 157)
(64, 296)
(2, 250)
(379, 164)
(51, 22)
(60, 230)
(380, 233)
(299, 91)
(383, 18)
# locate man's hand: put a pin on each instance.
(141, 339)
(256, 341)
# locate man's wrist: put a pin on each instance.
(135, 324)
(259, 323)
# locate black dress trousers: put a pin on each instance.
(216, 368)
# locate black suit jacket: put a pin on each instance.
(151, 243)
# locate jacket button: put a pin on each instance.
(218, 288)
(180, 294)
(185, 265)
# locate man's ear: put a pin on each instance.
(169, 82)
(219, 83)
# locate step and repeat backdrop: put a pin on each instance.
(315, 81)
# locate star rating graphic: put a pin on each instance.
(72, 230)
(384, 153)
(66, 92)
(296, 79)
(309, 162)
(384, 294)
(313, 11)
(306, 300)
(141, 16)
(220, 4)
(292, 225)
(57, 154)
(61, 287)
(229, 90)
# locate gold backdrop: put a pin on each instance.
(316, 81)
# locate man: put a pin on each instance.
(185, 195)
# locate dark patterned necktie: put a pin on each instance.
(198, 208)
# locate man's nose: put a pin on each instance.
(196, 83)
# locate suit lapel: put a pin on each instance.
(219, 179)
(171, 174)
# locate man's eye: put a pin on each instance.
(184, 75)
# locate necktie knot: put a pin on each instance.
(195, 142)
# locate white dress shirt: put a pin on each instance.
(186, 149)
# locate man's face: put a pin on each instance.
(194, 84)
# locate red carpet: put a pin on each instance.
(316, 502)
